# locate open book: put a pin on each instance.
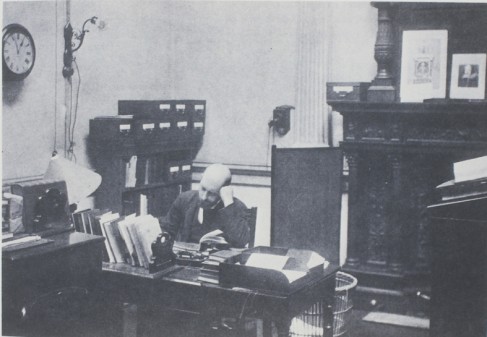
(213, 240)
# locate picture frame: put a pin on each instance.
(468, 76)
(423, 65)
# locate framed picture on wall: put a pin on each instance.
(423, 65)
(468, 76)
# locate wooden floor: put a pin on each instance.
(357, 328)
(184, 325)
(360, 328)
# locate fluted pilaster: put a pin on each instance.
(311, 115)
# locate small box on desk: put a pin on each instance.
(347, 91)
(45, 206)
(271, 268)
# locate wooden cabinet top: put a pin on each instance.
(58, 244)
(440, 107)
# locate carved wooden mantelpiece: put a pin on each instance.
(408, 123)
(397, 154)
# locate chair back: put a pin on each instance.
(252, 223)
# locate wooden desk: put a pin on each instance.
(178, 289)
(69, 260)
(459, 268)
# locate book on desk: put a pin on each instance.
(128, 238)
(470, 180)
(134, 241)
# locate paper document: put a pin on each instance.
(471, 169)
(211, 235)
(315, 260)
(293, 275)
(267, 261)
(21, 240)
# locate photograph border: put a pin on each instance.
(459, 92)
(417, 92)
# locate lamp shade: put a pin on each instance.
(80, 181)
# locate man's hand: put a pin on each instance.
(226, 194)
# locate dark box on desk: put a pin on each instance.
(235, 273)
(45, 205)
(347, 91)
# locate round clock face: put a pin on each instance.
(18, 52)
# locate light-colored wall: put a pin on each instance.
(239, 56)
(354, 28)
(28, 105)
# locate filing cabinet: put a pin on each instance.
(145, 154)
(173, 119)
(114, 130)
(178, 171)
(198, 119)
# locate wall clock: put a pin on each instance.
(18, 52)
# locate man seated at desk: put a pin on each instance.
(195, 213)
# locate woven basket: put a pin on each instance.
(310, 322)
(342, 309)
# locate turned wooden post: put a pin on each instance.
(382, 88)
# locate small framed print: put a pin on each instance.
(423, 65)
(468, 76)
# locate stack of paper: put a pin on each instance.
(274, 262)
(472, 169)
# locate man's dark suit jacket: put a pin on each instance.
(182, 220)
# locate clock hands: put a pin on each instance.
(16, 45)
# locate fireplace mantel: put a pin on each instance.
(397, 154)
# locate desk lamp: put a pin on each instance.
(80, 181)
(48, 203)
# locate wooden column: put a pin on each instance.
(354, 239)
(396, 226)
(382, 89)
(311, 112)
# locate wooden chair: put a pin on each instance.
(252, 224)
(236, 325)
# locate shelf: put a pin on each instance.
(155, 185)
(115, 148)
(437, 107)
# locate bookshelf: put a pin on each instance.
(145, 154)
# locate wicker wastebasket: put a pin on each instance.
(342, 309)
(310, 322)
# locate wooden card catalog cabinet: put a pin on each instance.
(397, 154)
